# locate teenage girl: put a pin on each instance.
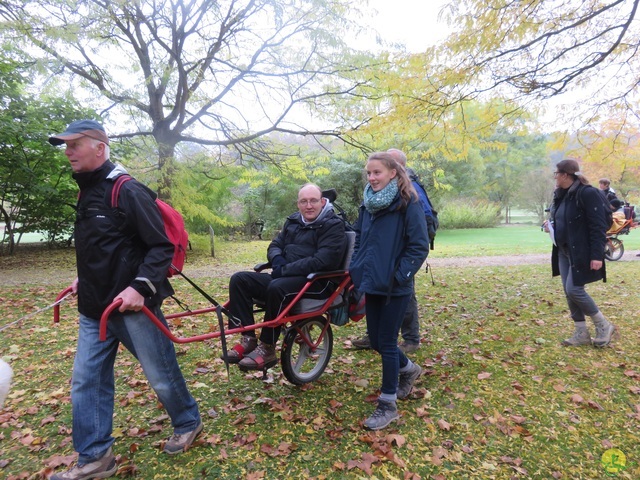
(391, 245)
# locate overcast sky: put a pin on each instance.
(411, 22)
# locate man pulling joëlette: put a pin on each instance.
(124, 255)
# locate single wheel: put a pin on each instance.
(301, 363)
(614, 249)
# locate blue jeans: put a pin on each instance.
(579, 301)
(92, 390)
(383, 324)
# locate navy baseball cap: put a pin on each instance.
(81, 128)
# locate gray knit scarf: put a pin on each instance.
(376, 201)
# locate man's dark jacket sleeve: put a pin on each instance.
(143, 217)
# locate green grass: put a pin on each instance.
(473, 242)
(499, 399)
(505, 240)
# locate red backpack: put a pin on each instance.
(173, 226)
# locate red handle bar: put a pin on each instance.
(115, 304)
(56, 308)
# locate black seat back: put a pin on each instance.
(351, 243)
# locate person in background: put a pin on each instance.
(123, 259)
(617, 205)
(605, 186)
(312, 240)
(391, 245)
(410, 328)
(579, 227)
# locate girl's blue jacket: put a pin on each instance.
(391, 246)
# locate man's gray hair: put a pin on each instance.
(107, 149)
(399, 156)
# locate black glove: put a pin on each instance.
(276, 272)
(278, 261)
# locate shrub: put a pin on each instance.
(469, 214)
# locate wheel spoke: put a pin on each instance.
(303, 354)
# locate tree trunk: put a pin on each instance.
(8, 232)
(166, 165)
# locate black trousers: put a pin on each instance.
(276, 293)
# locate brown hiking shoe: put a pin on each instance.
(104, 467)
(407, 380)
(408, 347)
(180, 442)
(362, 343)
(247, 345)
(263, 357)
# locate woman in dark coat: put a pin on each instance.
(579, 226)
(391, 245)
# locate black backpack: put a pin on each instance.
(432, 221)
(608, 211)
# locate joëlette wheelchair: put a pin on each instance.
(308, 338)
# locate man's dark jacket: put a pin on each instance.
(314, 247)
(118, 249)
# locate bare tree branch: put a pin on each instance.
(218, 73)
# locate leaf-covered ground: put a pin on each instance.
(500, 397)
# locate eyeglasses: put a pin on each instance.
(313, 201)
(555, 174)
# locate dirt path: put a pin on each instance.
(16, 276)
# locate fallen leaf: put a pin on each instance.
(444, 425)
(518, 419)
(606, 444)
(365, 464)
(47, 420)
(396, 439)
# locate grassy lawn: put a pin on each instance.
(505, 240)
(499, 399)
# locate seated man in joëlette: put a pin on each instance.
(312, 240)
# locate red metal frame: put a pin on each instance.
(284, 318)
(56, 308)
(629, 224)
(626, 227)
